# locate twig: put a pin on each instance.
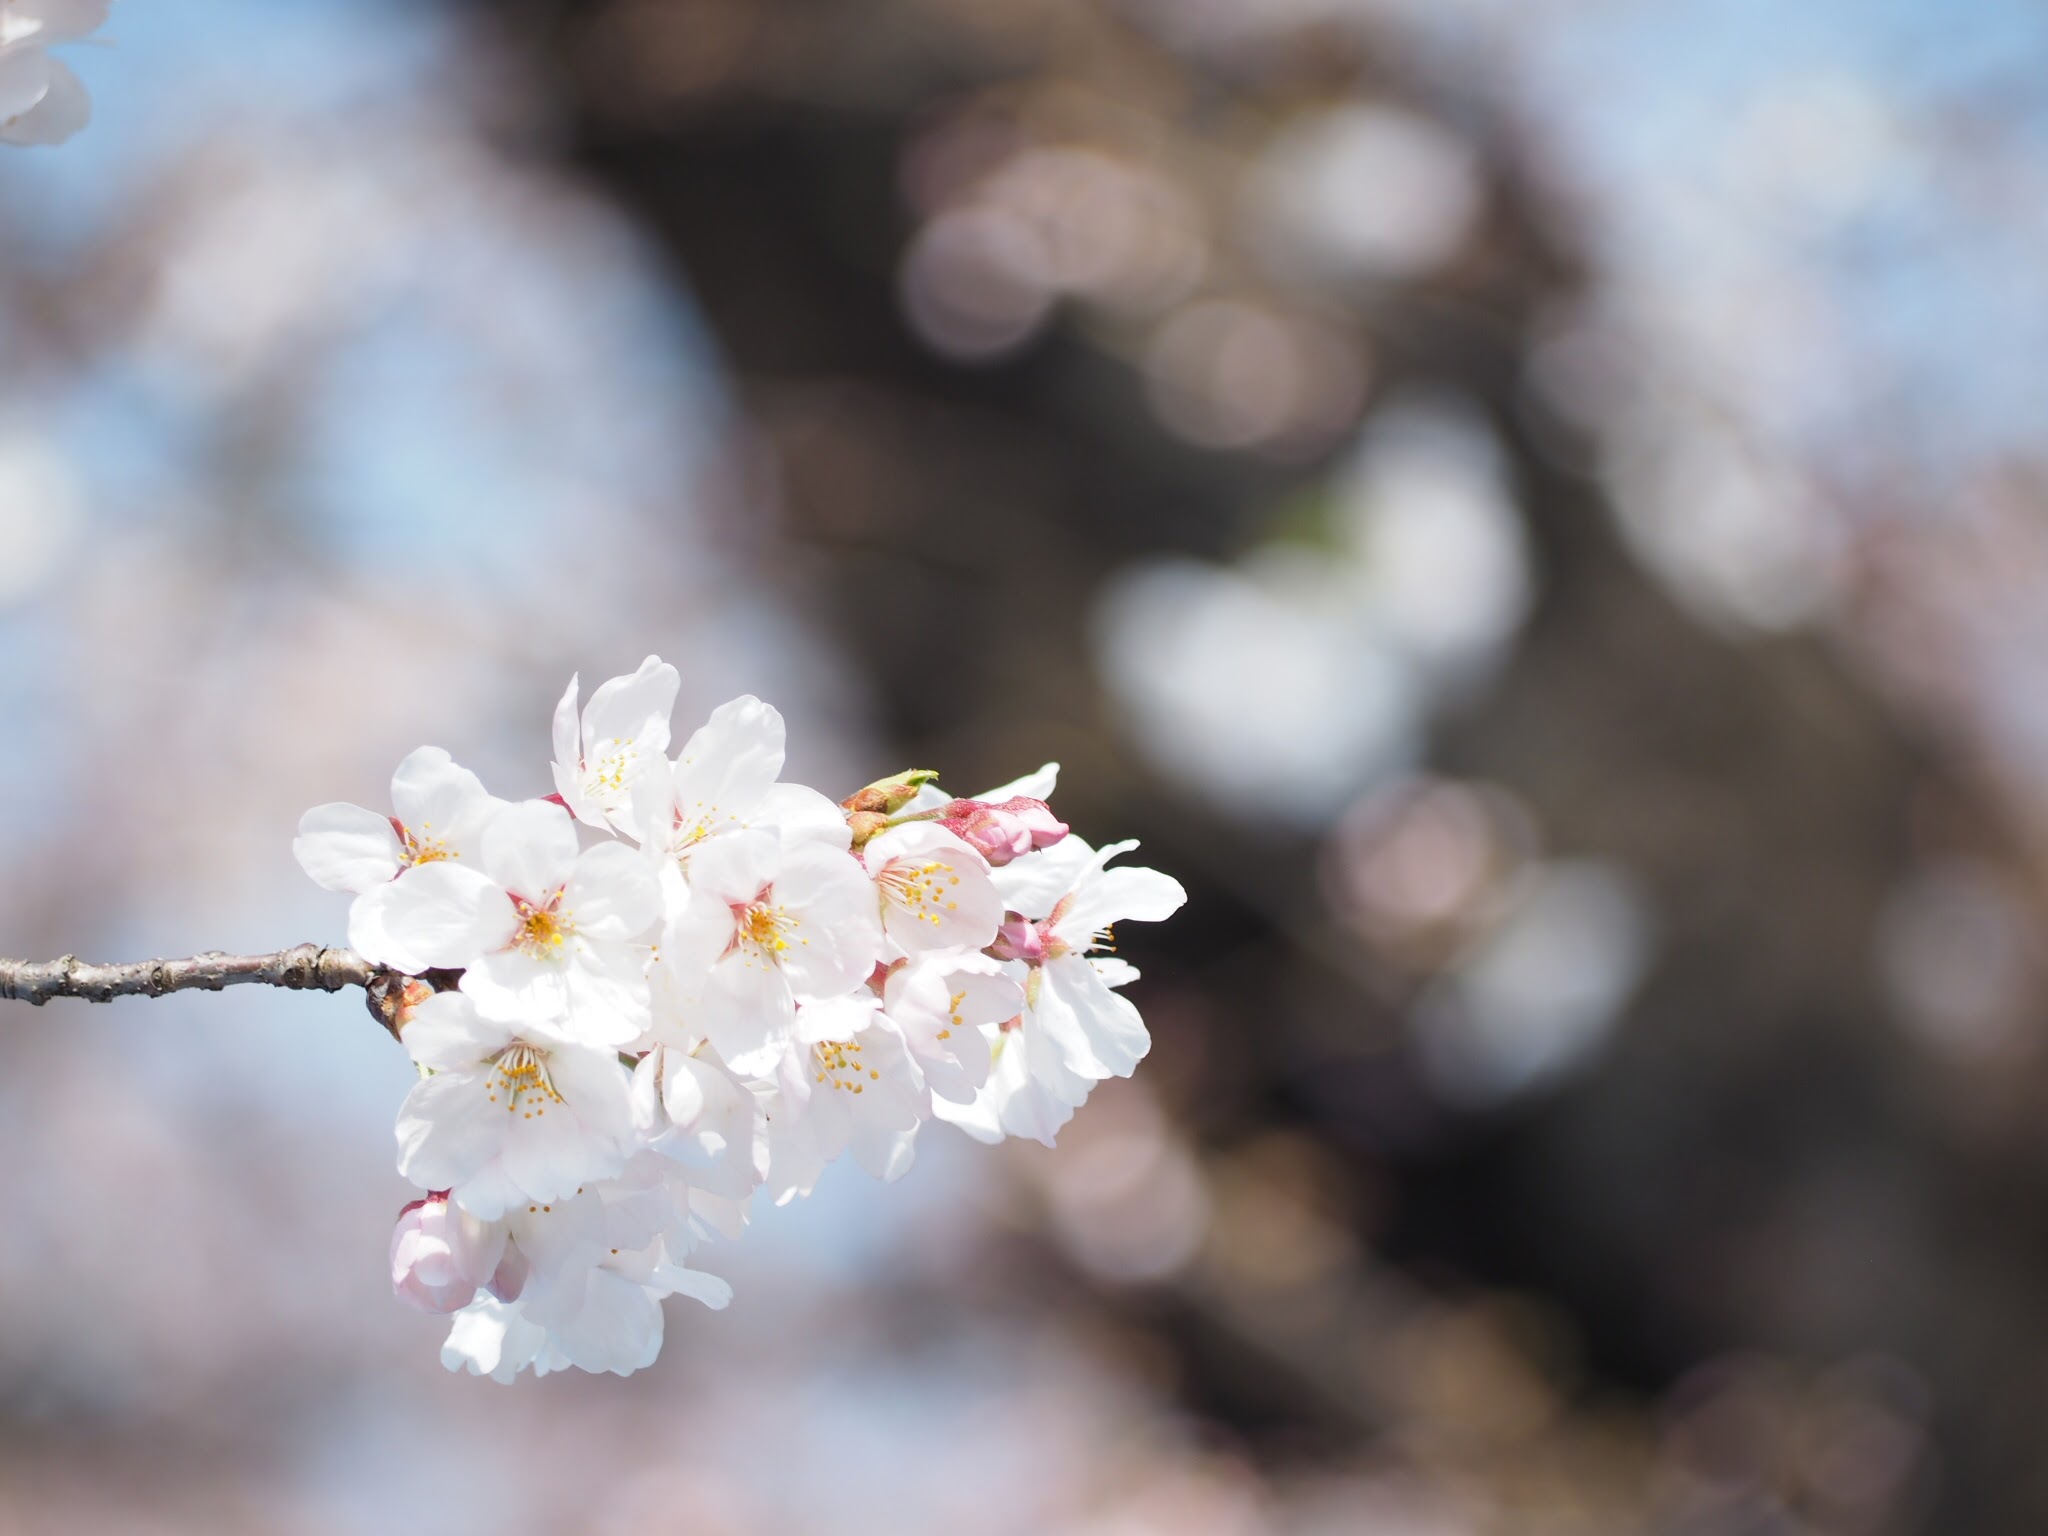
(302, 968)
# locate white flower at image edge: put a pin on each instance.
(41, 100)
(507, 1118)
(542, 932)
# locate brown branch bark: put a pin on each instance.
(302, 968)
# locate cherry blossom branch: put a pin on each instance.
(302, 968)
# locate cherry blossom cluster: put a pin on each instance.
(678, 983)
(41, 100)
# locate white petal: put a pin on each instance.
(568, 764)
(1114, 972)
(612, 892)
(448, 1129)
(492, 1338)
(617, 1329)
(883, 1152)
(1032, 885)
(346, 848)
(530, 849)
(440, 801)
(24, 80)
(1034, 786)
(525, 989)
(609, 1000)
(438, 914)
(598, 1087)
(733, 869)
(728, 764)
(835, 1018)
(695, 1284)
(446, 1033)
(1120, 896)
(747, 1012)
(942, 896)
(839, 934)
(682, 1091)
(694, 940)
(64, 21)
(64, 109)
(634, 708)
(549, 1152)
(797, 814)
(1098, 1031)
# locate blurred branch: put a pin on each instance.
(302, 968)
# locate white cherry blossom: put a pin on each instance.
(439, 811)
(1096, 1030)
(618, 754)
(946, 1006)
(1031, 1091)
(725, 780)
(510, 1117)
(934, 891)
(846, 1082)
(642, 1038)
(1075, 1028)
(689, 1108)
(598, 1272)
(767, 922)
(544, 933)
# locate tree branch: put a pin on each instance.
(302, 968)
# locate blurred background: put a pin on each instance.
(1535, 510)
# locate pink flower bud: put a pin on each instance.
(1020, 939)
(1005, 831)
(440, 1254)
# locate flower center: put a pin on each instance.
(919, 889)
(543, 930)
(521, 1073)
(838, 1063)
(421, 846)
(687, 830)
(763, 929)
(605, 777)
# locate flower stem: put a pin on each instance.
(302, 968)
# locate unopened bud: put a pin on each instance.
(1020, 939)
(1003, 831)
(866, 824)
(890, 795)
(441, 1255)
